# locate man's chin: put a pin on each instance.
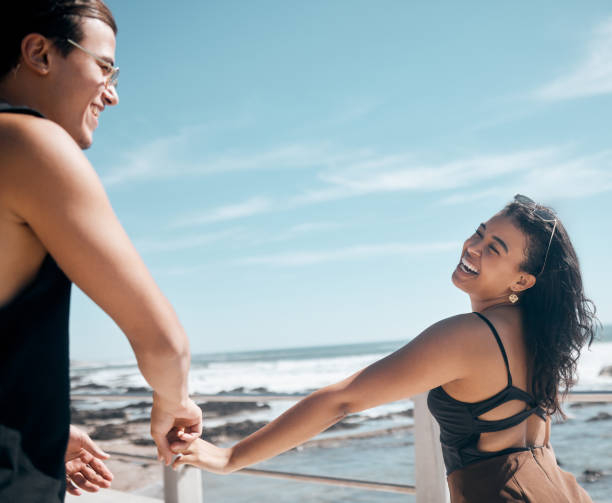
(84, 141)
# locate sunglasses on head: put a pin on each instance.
(543, 214)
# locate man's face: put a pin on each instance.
(80, 83)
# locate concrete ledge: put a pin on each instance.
(109, 496)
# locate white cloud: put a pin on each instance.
(358, 252)
(252, 206)
(147, 245)
(172, 156)
(591, 77)
(148, 160)
(573, 178)
(300, 230)
(541, 173)
(435, 177)
(558, 178)
(313, 227)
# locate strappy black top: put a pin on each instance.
(34, 369)
(460, 426)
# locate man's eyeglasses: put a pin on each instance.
(543, 214)
(112, 71)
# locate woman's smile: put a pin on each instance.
(467, 267)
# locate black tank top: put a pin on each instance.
(34, 364)
(460, 426)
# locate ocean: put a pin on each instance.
(379, 446)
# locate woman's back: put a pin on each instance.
(490, 376)
(485, 413)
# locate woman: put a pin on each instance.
(493, 374)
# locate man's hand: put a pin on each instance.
(83, 466)
(172, 422)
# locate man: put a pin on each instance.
(57, 75)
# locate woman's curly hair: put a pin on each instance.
(558, 319)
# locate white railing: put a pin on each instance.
(185, 484)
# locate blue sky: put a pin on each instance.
(304, 173)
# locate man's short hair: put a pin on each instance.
(57, 20)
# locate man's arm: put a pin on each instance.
(54, 190)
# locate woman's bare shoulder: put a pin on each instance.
(464, 337)
(463, 326)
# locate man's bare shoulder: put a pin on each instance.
(39, 161)
(35, 150)
(26, 136)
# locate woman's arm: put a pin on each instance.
(441, 354)
(55, 191)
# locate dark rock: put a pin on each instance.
(108, 432)
(219, 409)
(90, 386)
(139, 420)
(240, 389)
(83, 416)
(557, 419)
(138, 389)
(606, 371)
(147, 442)
(139, 405)
(392, 415)
(601, 416)
(259, 390)
(579, 405)
(237, 430)
(342, 425)
(591, 475)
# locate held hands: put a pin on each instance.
(204, 455)
(83, 466)
(174, 422)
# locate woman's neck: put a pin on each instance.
(480, 305)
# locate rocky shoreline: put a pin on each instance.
(130, 422)
(125, 429)
(118, 423)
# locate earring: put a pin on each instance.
(513, 298)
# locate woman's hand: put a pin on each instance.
(204, 455)
(83, 466)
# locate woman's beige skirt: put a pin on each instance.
(529, 476)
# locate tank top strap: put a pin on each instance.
(6, 107)
(499, 343)
(487, 425)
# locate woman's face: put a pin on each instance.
(489, 267)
